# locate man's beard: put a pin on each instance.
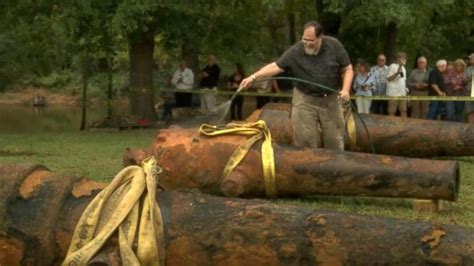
(310, 51)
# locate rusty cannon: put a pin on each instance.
(39, 210)
(390, 135)
(190, 160)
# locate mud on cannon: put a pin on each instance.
(190, 160)
(40, 209)
(390, 135)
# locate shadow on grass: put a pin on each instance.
(7, 153)
(317, 200)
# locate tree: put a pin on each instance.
(373, 26)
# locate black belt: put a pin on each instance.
(316, 93)
(320, 94)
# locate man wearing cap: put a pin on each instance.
(316, 115)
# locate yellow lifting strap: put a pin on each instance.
(256, 131)
(351, 129)
(117, 208)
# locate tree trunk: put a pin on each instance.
(319, 4)
(141, 47)
(290, 22)
(85, 81)
(110, 84)
(290, 26)
(390, 135)
(391, 42)
(193, 161)
(331, 22)
(272, 28)
(40, 210)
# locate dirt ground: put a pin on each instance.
(24, 96)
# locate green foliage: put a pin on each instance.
(7, 52)
(32, 46)
(54, 79)
(40, 40)
(436, 28)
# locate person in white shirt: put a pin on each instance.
(396, 85)
(183, 79)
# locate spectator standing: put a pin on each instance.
(183, 79)
(364, 85)
(457, 80)
(209, 79)
(418, 85)
(233, 84)
(450, 67)
(321, 59)
(470, 88)
(396, 85)
(379, 72)
(437, 87)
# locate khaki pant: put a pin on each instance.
(393, 105)
(317, 121)
(208, 101)
(363, 105)
(419, 109)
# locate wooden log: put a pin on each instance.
(430, 205)
(193, 161)
(207, 230)
(390, 135)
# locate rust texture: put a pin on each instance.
(398, 136)
(193, 161)
(207, 230)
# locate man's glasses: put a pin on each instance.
(309, 42)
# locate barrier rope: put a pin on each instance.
(255, 131)
(290, 94)
(126, 205)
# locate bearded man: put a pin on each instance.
(316, 116)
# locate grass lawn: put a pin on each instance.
(98, 155)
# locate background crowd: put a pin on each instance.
(447, 78)
(209, 79)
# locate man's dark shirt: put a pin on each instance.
(324, 68)
(213, 78)
(436, 78)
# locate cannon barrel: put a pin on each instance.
(39, 211)
(390, 135)
(190, 160)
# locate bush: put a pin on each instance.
(7, 55)
(55, 79)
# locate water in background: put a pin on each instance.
(16, 118)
